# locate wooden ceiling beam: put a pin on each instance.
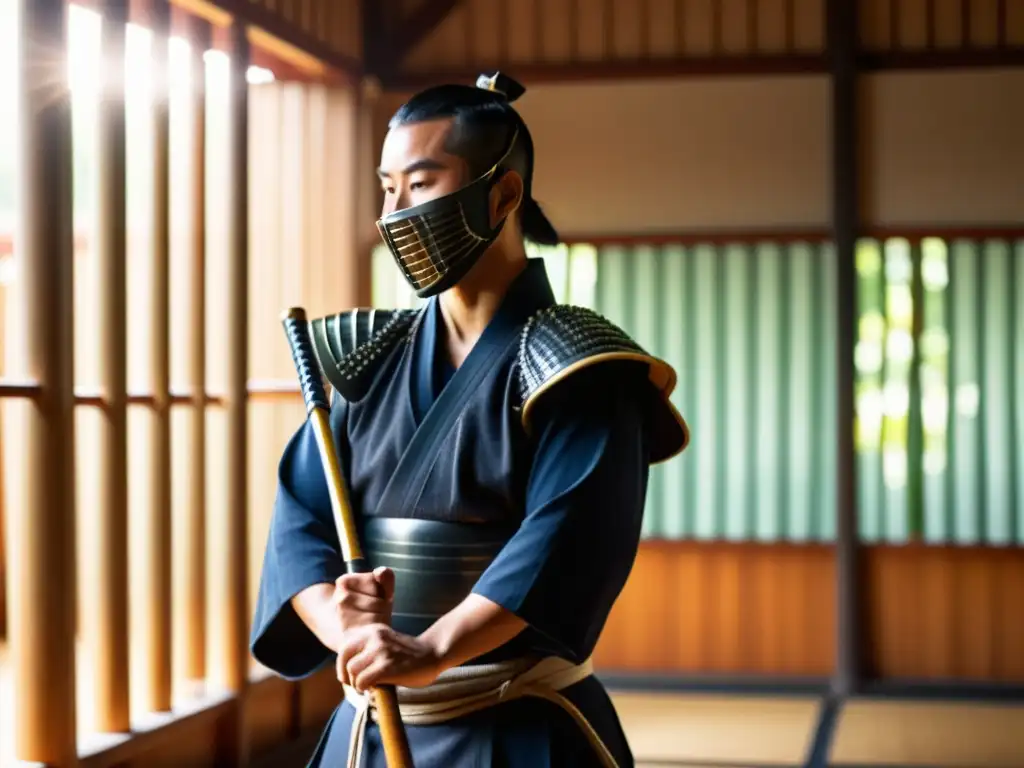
(277, 36)
(711, 66)
(622, 69)
(420, 23)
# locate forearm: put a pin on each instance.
(315, 606)
(471, 629)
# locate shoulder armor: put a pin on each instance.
(561, 340)
(350, 346)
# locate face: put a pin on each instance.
(415, 168)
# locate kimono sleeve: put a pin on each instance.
(302, 550)
(566, 565)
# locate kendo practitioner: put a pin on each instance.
(496, 447)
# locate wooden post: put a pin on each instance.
(158, 562)
(842, 50)
(42, 531)
(107, 575)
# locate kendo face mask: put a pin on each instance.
(437, 242)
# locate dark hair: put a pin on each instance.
(484, 124)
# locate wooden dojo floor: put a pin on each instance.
(729, 731)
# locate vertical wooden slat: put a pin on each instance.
(643, 11)
(158, 602)
(790, 20)
(717, 43)
(471, 53)
(194, 576)
(504, 14)
(42, 534)
(108, 578)
(231, 584)
(229, 529)
(930, 24)
(314, 20)
(752, 26)
(842, 44)
(574, 30)
(609, 28)
(680, 35)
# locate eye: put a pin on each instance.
(389, 189)
(421, 181)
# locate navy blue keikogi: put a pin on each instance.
(571, 492)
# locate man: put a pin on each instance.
(496, 447)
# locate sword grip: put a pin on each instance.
(296, 329)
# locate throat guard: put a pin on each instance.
(562, 340)
(350, 346)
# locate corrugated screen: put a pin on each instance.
(751, 331)
(940, 391)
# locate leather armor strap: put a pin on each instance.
(463, 690)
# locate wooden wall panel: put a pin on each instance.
(500, 32)
(945, 613)
(693, 607)
(948, 25)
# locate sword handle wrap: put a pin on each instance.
(296, 328)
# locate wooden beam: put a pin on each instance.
(625, 69)
(419, 25)
(968, 58)
(713, 66)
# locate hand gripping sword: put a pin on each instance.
(396, 744)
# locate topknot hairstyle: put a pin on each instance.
(484, 124)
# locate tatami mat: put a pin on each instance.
(938, 735)
(702, 729)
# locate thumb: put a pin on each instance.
(385, 577)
